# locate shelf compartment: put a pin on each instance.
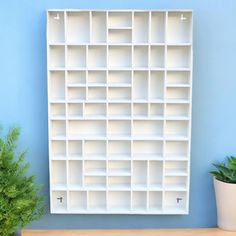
(119, 168)
(140, 28)
(176, 128)
(147, 128)
(78, 27)
(140, 85)
(139, 175)
(119, 19)
(94, 148)
(56, 56)
(155, 201)
(178, 78)
(119, 149)
(75, 149)
(175, 201)
(75, 173)
(119, 128)
(58, 128)
(140, 109)
(178, 57)
(57, 85)
(158, 27)
(156, 110)
(76, 77)
(140, 58)
(76, 56)
(59, 201)
(97, 200)
(75, 109)
(155, 174)
(58, 149)
(179, 27)
(156, 85)
(177, 110)
(56, 33)
(96, 77)
(119, 93)
(99, 25)
(119, 200)
(96, 93)
(119, 36)
(119, 77)
(139, 201)
(77, 200)
(97, 56)
(87, 128)
(76, 94)
(58, 174)
(176, 149)
(96, 182)
(175, 183)
(157, 56)
(176, 168)
(94, 110)
(119, 110)
(95, 168)
(119, 182)
(57, 110)
(147, 149)
(120, 56)
(177, 94)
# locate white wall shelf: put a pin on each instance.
(119, 109)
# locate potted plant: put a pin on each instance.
(225, 191)
(20, 202)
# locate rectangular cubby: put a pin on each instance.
(94, 149)
(95, 110)
(56, 57)
(75, 173)
(119, 150)
(119, 36)
(140, 85)
(179, 27)
(178, 57)
(76, 78)
(175, 202)
(99, 25)
(119, 56)
(78, 27)
(77, 201)
(56, 26)
(96, 56)
(75, 149)
(149, 150)
(76, 56)
(119, 104)
(140, 28)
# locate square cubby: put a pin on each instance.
(75, 149)
(56, 57)
(177, 110)
(57, 110)
(97, 56)
(119, 168)
(140, 109)
(77, 201)
(76, 77)
(139, 200)
(94, 149)
(140, 56)
(120, 56)
(119, 110)
(96, 93)
(95, 110)
(119, 20)
(76, 93)
(76, 56)
(155, 201)
(147, 128)
(75, 110)
(58, 149)
(119, 150)
(97, 200)
(119, 36)
(176, 150)
(59, 201)
(119, 200)
(95, 168)
(117, 77)
(119, 182)
(157, 110)
(178, 78)
(176, 183)
(96, 77)
(157, 56)
(176, 168)
(119, 128)
(58, 128)
(175, 202)
(177, 129)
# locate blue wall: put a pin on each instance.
(23, 98)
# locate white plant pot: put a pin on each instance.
(226, 205)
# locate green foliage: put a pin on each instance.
(20, 202)
(226, 171)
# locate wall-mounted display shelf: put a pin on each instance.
(119, 109)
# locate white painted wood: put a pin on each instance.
(119, 105)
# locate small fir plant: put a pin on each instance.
(20, 202)
(226, 171)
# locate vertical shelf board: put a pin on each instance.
(119, 111)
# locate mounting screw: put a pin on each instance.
(60, 199)
(178, 199)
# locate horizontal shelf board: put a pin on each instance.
(148, 157)
(178, 85)
(176, 173)
(178, 69)
(76, 85)
(119, 28)
(119, 173)
(120, 10)
(174, 188)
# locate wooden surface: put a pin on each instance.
(139, 232)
